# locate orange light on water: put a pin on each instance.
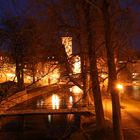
(55, 101)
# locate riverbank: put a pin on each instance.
(88, 130)
(130, 122)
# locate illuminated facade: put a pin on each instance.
(46, 73)
(67, 42)
(76, 66)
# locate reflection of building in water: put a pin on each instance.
(55, 101)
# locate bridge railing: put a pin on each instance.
(48, 111)
(17, 99)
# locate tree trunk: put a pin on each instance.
(118, 134)
(100, 121)
(19, 74)
(19, 67)
(83, 37)
(33, 73)
(85, 76)
(87, 39)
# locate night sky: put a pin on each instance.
(10, 8)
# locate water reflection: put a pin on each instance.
(52, 125)
(60, 100)
(70, 117)
(55, 101)
(49, 118)
(31, 126)
(133, 92)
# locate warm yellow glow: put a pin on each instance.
(10, 74)
(70, 89)
(103, 75)
(50, 69)
(76, 90)
(55, 101)
(119, 86)
(53, 73)
(7, 72)
(54, 76)
(40, 103)
(70, 103)
(49, 118)
(77, 65)
(67, 42)
(70, 99)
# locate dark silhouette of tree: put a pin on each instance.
(112, 74)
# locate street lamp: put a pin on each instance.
(119, 87)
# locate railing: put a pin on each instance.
(20, 97)
(16, 99)
(47, 111)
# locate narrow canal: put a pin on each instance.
(41, 127)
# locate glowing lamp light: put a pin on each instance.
(76, 90)
(103, 75)
(119, 86)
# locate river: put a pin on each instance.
(41, 127)
(132, 92)
(38, 127)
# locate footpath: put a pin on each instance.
(130, 122)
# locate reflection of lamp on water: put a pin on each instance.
(49, 118)
(55, 101)
(70, 117)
